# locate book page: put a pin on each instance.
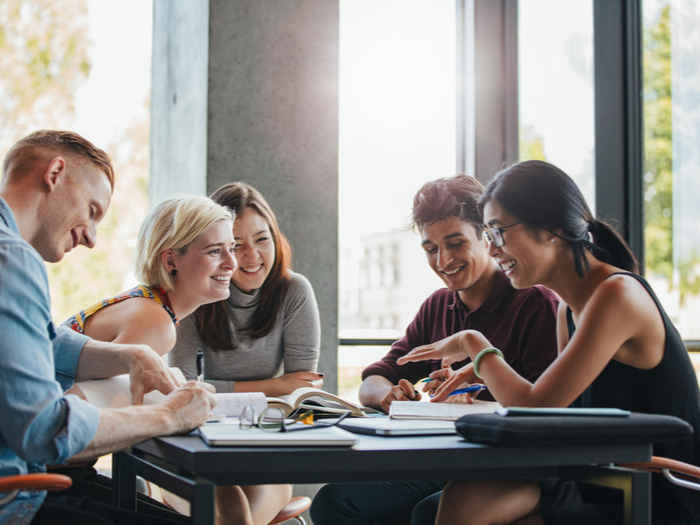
(323, 398)
(443, 411)
(231, 404)
(115, 392)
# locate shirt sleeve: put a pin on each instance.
(38, 423)
(301, 335)
(67, 346)
(416, 335)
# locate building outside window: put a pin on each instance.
(397, 131)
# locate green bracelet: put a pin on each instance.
(480, 355)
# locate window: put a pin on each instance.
(555, 68)
(671, 135)
(397, 131)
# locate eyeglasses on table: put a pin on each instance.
(273, 419)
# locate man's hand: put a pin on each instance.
(148, 371)
(76, 391)
(190, 405)
(403, 391)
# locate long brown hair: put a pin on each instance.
(211, 319)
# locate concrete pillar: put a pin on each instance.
(248, 90)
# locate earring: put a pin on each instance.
(173, 272)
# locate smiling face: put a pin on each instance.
(204, 271)
(255, 250)
(455, 253)
(72, 210)
(526, 257)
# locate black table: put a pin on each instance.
(188, 467)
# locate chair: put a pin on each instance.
(293, 510)
(669, 468)
(38, 481)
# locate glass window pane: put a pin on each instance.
(397, 131)
(671, 137)
(555, 67)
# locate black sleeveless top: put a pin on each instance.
(671, 388)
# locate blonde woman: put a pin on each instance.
(184, 260)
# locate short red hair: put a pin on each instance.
(67, 142)
(440, 199)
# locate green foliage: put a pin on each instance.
(658, 170)
(531, 144)
(44, 57)
(658, 161)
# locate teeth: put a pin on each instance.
(221, 278)
(452, 272)
(251, 270)
(505, 266)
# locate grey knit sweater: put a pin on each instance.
(291, 346)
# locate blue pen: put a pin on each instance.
(471, 388)
(426, 380)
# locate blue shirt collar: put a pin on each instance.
(7, 216)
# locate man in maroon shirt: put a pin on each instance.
(478, 296)
(522, 323)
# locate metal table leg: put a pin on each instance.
(123, 481)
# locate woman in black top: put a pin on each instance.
(624, 352)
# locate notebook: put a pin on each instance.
(384, 426)
(230, 435)
(439, 411)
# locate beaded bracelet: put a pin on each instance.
(481, 354)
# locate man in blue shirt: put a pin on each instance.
(55, 189)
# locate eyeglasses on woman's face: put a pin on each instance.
(494, 234)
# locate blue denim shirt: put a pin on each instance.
(38, 424)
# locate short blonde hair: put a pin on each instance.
(173, 225)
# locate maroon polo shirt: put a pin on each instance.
(521, 323)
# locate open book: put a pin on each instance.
(314, 399)
(444, 411)
(115, 393)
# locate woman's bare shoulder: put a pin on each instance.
(140, 321)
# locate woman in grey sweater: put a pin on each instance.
(266, 336)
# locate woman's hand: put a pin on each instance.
(288, 383)
(437, 378)
(451, 349)
(458, 379)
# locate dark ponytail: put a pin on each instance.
(542, 196)
(609, 247)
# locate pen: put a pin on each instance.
(199, 360)
(426, 380)
(471, 388)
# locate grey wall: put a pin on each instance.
(273, 122)
(248, 90)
